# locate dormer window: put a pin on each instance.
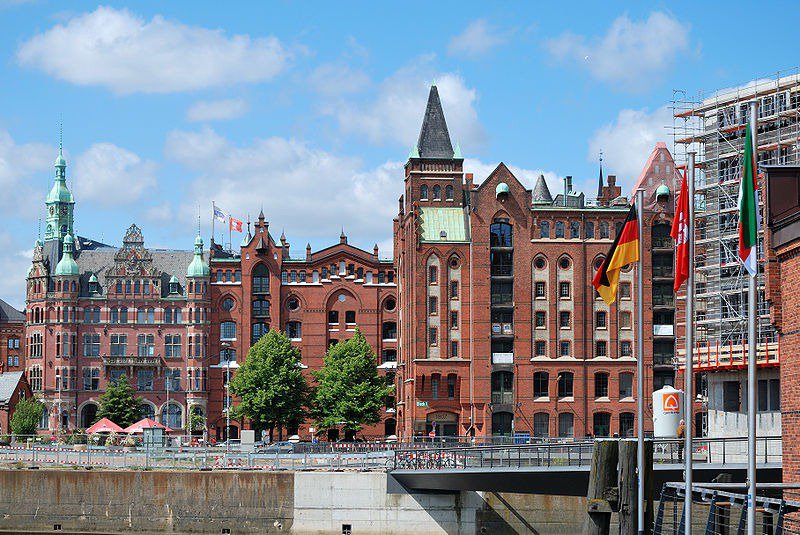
(173, 287)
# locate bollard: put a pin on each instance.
(602, 487)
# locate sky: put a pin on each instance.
(308, 110)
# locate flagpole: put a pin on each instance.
(688, 403)
(752, 299)
(213, 217)
(230, 234)
(640, 365)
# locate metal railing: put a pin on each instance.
(558, 452)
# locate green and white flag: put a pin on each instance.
(749, 217)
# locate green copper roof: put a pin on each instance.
(60, 161)
(93, 278)
(414, 152)
(662, 190)
(173, 280)
(502, 187)
(198, 267)
(59, 192)
(67, 265)
(457, 153)
(443, 224)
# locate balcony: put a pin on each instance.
(503, 299)
(502, 398)
(131, 360)
(502, 270)
(663, 242)
(663, 330)
(500, 329)
(502, 358)
(663, 300)
(663, 271)
(663, 359)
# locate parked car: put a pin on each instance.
(277, 447)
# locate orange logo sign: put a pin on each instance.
(671, 403)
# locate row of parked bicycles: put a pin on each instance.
(421, 460)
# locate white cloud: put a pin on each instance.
(627, 142)
(111, 175)
(395, 114)
(476, 40)
(332, 79)
(216, 110)
(22, 166)
(632, 55)
(125, 53)
(14, 265)
(310, 192)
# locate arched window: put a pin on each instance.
(589, 230)
(565, 385)
(600, 385)
(148, 411)
(626, 420)
(172, 416)
(601, 424)
(423, 192)
(566, 424)
(541, 385)
(502, 387)
(500, 235)
(88, 415)
(437, 193)
(260, 279)
(625, 385)
(541, 424)
(448, 193)
(502, 423)
(44, 421)
(559, 229)
(604, 235)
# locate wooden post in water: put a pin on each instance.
(628, 487)
(602, 494)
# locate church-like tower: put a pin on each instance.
(60, 204)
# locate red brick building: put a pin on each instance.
(317, 299)
(501, 331)
(97, 312)
(13, 388)
(12, 336)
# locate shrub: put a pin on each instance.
(27, 415)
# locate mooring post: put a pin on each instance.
(628, 487)
(602, 494)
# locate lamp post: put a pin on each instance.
(227, 365)
(58, 411)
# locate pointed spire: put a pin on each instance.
(342, 237)
(261, 216)
(434, 138)
(247, 237)
(600, 181)
(413, 153)
(457, 153)
(375, 250)
(541, 193)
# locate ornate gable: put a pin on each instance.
(38, 267)
(133, 259)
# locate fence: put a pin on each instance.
(718, 512)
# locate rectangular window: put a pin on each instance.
(541, 385)
(564, 319)
(434, 388)
(119, 345)
(433, 336)
(333, 317)
(601, 349)
(433, 273)
(91, 378)
(601, 385)
(172, 379)
(350, 317)
(731, 398)
(574, 230)
(544, 229)
(625, 348)
(115, 375)
(294, 330)
(769, 395)
(454, 319)
(454, 349)
(91, 345)
(600, 319)
(144, 380)
(453, 289)
(625, 320)
(565, 385)
(541, 348)
(589, 230)
(563, 290)
(451, 387)
(172, 346)
(625, 385)
(625, 290)
(433, 305)
(540, 290)
(227, 330)
(145, 345)
(541, 319)
(564, 349)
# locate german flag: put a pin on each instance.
(624, 251)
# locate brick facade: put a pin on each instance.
(12, 338)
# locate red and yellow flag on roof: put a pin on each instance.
(624, 251)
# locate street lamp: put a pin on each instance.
(58, 411)
(227, 366)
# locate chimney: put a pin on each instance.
(375, 251)
(308, 252)
(567, 188)
(469, 178)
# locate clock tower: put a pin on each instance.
(59, 203)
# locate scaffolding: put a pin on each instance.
(713, 126)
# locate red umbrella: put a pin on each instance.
(104, 426)
(145, 423)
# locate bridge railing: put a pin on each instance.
(577, 453)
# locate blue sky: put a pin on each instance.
(309, 109)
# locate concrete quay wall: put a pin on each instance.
(111, 502)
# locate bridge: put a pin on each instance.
(562, 468)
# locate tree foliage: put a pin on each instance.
(272, 389)
(26, 417)
(196, 421)
(119, 404)
(350, 392)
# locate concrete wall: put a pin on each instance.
(265, 502)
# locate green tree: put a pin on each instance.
(119, 404)
(270, 385)
(26, 417)
(349, 391)
(196, 420)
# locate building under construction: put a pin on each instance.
(713, 126)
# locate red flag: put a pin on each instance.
(236, 225)
(680, 232)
